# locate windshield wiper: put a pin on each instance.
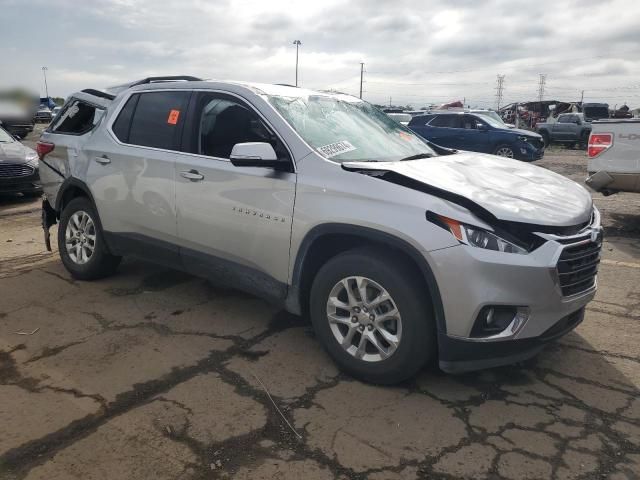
(417, 156)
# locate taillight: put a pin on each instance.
(598, 143)
(43, 148)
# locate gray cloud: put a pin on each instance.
(414, 52)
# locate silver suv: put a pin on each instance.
(399, 251)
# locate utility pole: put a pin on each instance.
(46, 88)
(541, 83)
(297, 43)
(582, 97)
(389, 101)
(499, 90)
(361, 77)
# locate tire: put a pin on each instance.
(545, 139)
(505, 150)
(415, 331)
(584, 140)
(82, 262)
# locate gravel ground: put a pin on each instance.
(156, 374)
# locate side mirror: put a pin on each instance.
(481, 126)
(254, 154)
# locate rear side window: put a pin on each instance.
(564, 118)
(420, 120)
(77, 118)
(447, 121)
(156, 119)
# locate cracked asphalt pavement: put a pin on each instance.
(156, 374)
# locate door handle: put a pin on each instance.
(193, 175)
(103, 160)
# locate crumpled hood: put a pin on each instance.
(13, 152)
(509, 189)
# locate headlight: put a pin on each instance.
(523, 138)
(479, 237)
(32, 159)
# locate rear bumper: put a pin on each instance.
(459, 355)
(613, 181)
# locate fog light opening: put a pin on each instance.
(499, 320)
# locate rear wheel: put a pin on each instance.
(504, 151)
(584, 140)
(369, 311)
(545, 138)
(81, 244)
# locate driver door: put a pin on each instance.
(234, 223)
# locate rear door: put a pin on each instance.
(131, 172)
(234, 223)
(446, 130)
(563, 128)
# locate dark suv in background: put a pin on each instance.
(478, 133)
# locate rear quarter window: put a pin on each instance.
(77, 118)
(152, 119)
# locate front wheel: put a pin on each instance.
(81, 244)
(368, 309)
(504, 151)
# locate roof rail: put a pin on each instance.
(173, 78)
(98, 93)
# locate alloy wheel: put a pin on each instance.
(364, 319)
(80, 237)
(505, 152)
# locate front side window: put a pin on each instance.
(156, 119)
(564, 119)
(343, 128)
(223, 121)
(77, 117)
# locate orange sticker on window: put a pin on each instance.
(173, 117)
(405, 135)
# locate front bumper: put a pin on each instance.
(529, 152)
(471, 279)
(22, 184)
(458, 355)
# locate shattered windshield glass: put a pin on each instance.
(343, 128)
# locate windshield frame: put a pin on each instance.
(491, 120)
(341, 100)
(9, 136)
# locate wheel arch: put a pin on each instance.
(70, 189)
(327, 240)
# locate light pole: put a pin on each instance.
(297, 43)
(46, 88)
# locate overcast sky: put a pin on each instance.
(414, 52)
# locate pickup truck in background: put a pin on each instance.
(614, 156)
(569, 129)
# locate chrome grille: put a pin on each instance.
(578, 266)
(15, 170)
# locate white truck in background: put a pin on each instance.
(614, 156)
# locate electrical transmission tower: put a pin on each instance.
(499, 90)
(541, 83)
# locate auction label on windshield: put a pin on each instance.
(337, 148)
